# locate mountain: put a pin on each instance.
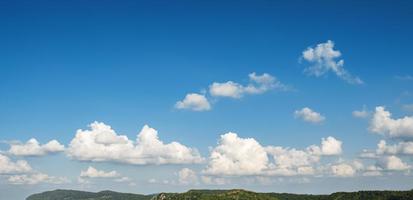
(235, 194)
(81, 195)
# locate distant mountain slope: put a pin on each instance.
(80, 195)
(221, 195)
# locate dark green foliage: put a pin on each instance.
(221, 195)
(247, 195)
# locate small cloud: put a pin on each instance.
(187, 177)
(405, 78)
(91, 172)
(195, 102)
(258, 84)
(36, 178)
(7, 166)
(361, 113)
(33, 148)
(324, 58)
(309, 115)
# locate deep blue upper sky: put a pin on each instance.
(65, 64)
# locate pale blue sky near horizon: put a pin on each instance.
(66, 64)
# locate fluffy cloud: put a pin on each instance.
(399, 148)
(36, 178)
(329, 146)
(343, 170)
(102, 143)
(187, 177)
(309, 115)
(195, 102)
(33, 148)
(9, 167)
(382, 123)
(392, 163)
(257, 84)
(91, 172)
(325, 59)
(235, 156)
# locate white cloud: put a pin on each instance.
(91, 172)
(36, 178)
(400, 148)
(329, 146)
(324, 59)
(392, 163)
(33, 148)
(258, 84)
(9, 167)
(237, 156)
(102, 143)
(187, 177)
(382, 123)
(123, 179)
(368, 154)
(361, 113)
(290, 162)
(372, 170)
(195, 102)
(309, 115)
(343, 170)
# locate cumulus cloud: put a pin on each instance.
(187, 177)
(382, 123)
(392, 163)
(235, 156)
(324, 58)
(195, 102)
(102, 143)
(7, 166)
(91, 172)
(343, 170)
(258, 84)
(33, 148)
(329, 146)
(309, 115)
(399, 148)
(36, 178)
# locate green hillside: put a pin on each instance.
(221, 195)
(80, 195)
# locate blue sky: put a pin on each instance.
(64, 65)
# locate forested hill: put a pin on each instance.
(81, 195)
(221, 195)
